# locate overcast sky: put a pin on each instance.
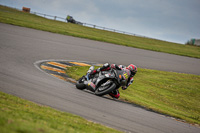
(169, 20)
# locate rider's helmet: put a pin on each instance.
(133, 69)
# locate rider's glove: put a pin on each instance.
(124, 87)
(95, 71)
(113, 66)
(106, 65)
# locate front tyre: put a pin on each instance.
(103, 90)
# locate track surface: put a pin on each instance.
(21, 47)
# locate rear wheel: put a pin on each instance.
(105, 88)
(80, 84)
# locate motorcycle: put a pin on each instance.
(104, 82)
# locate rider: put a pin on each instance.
(132, 69)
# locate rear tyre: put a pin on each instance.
(80, 85)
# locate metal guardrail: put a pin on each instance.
(86, 24)
(57, 18)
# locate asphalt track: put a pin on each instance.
(21, 47)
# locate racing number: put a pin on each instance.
(125, 75)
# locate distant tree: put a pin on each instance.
(188, 42)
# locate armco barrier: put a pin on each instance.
(25, 9)
(86, 24)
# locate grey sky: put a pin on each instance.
(170, 20)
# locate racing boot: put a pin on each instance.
(115, 94)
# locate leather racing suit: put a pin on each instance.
(106, 67)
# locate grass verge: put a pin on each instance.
(170, 93)
(19, 115)
(15, 17)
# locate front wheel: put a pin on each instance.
(103, 90)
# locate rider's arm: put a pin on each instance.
(114, 66)
(130, 81)
(105, 67)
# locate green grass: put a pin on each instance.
(14, 17)
(19, 115)
(170, 93)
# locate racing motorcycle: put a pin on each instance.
(104, 82)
